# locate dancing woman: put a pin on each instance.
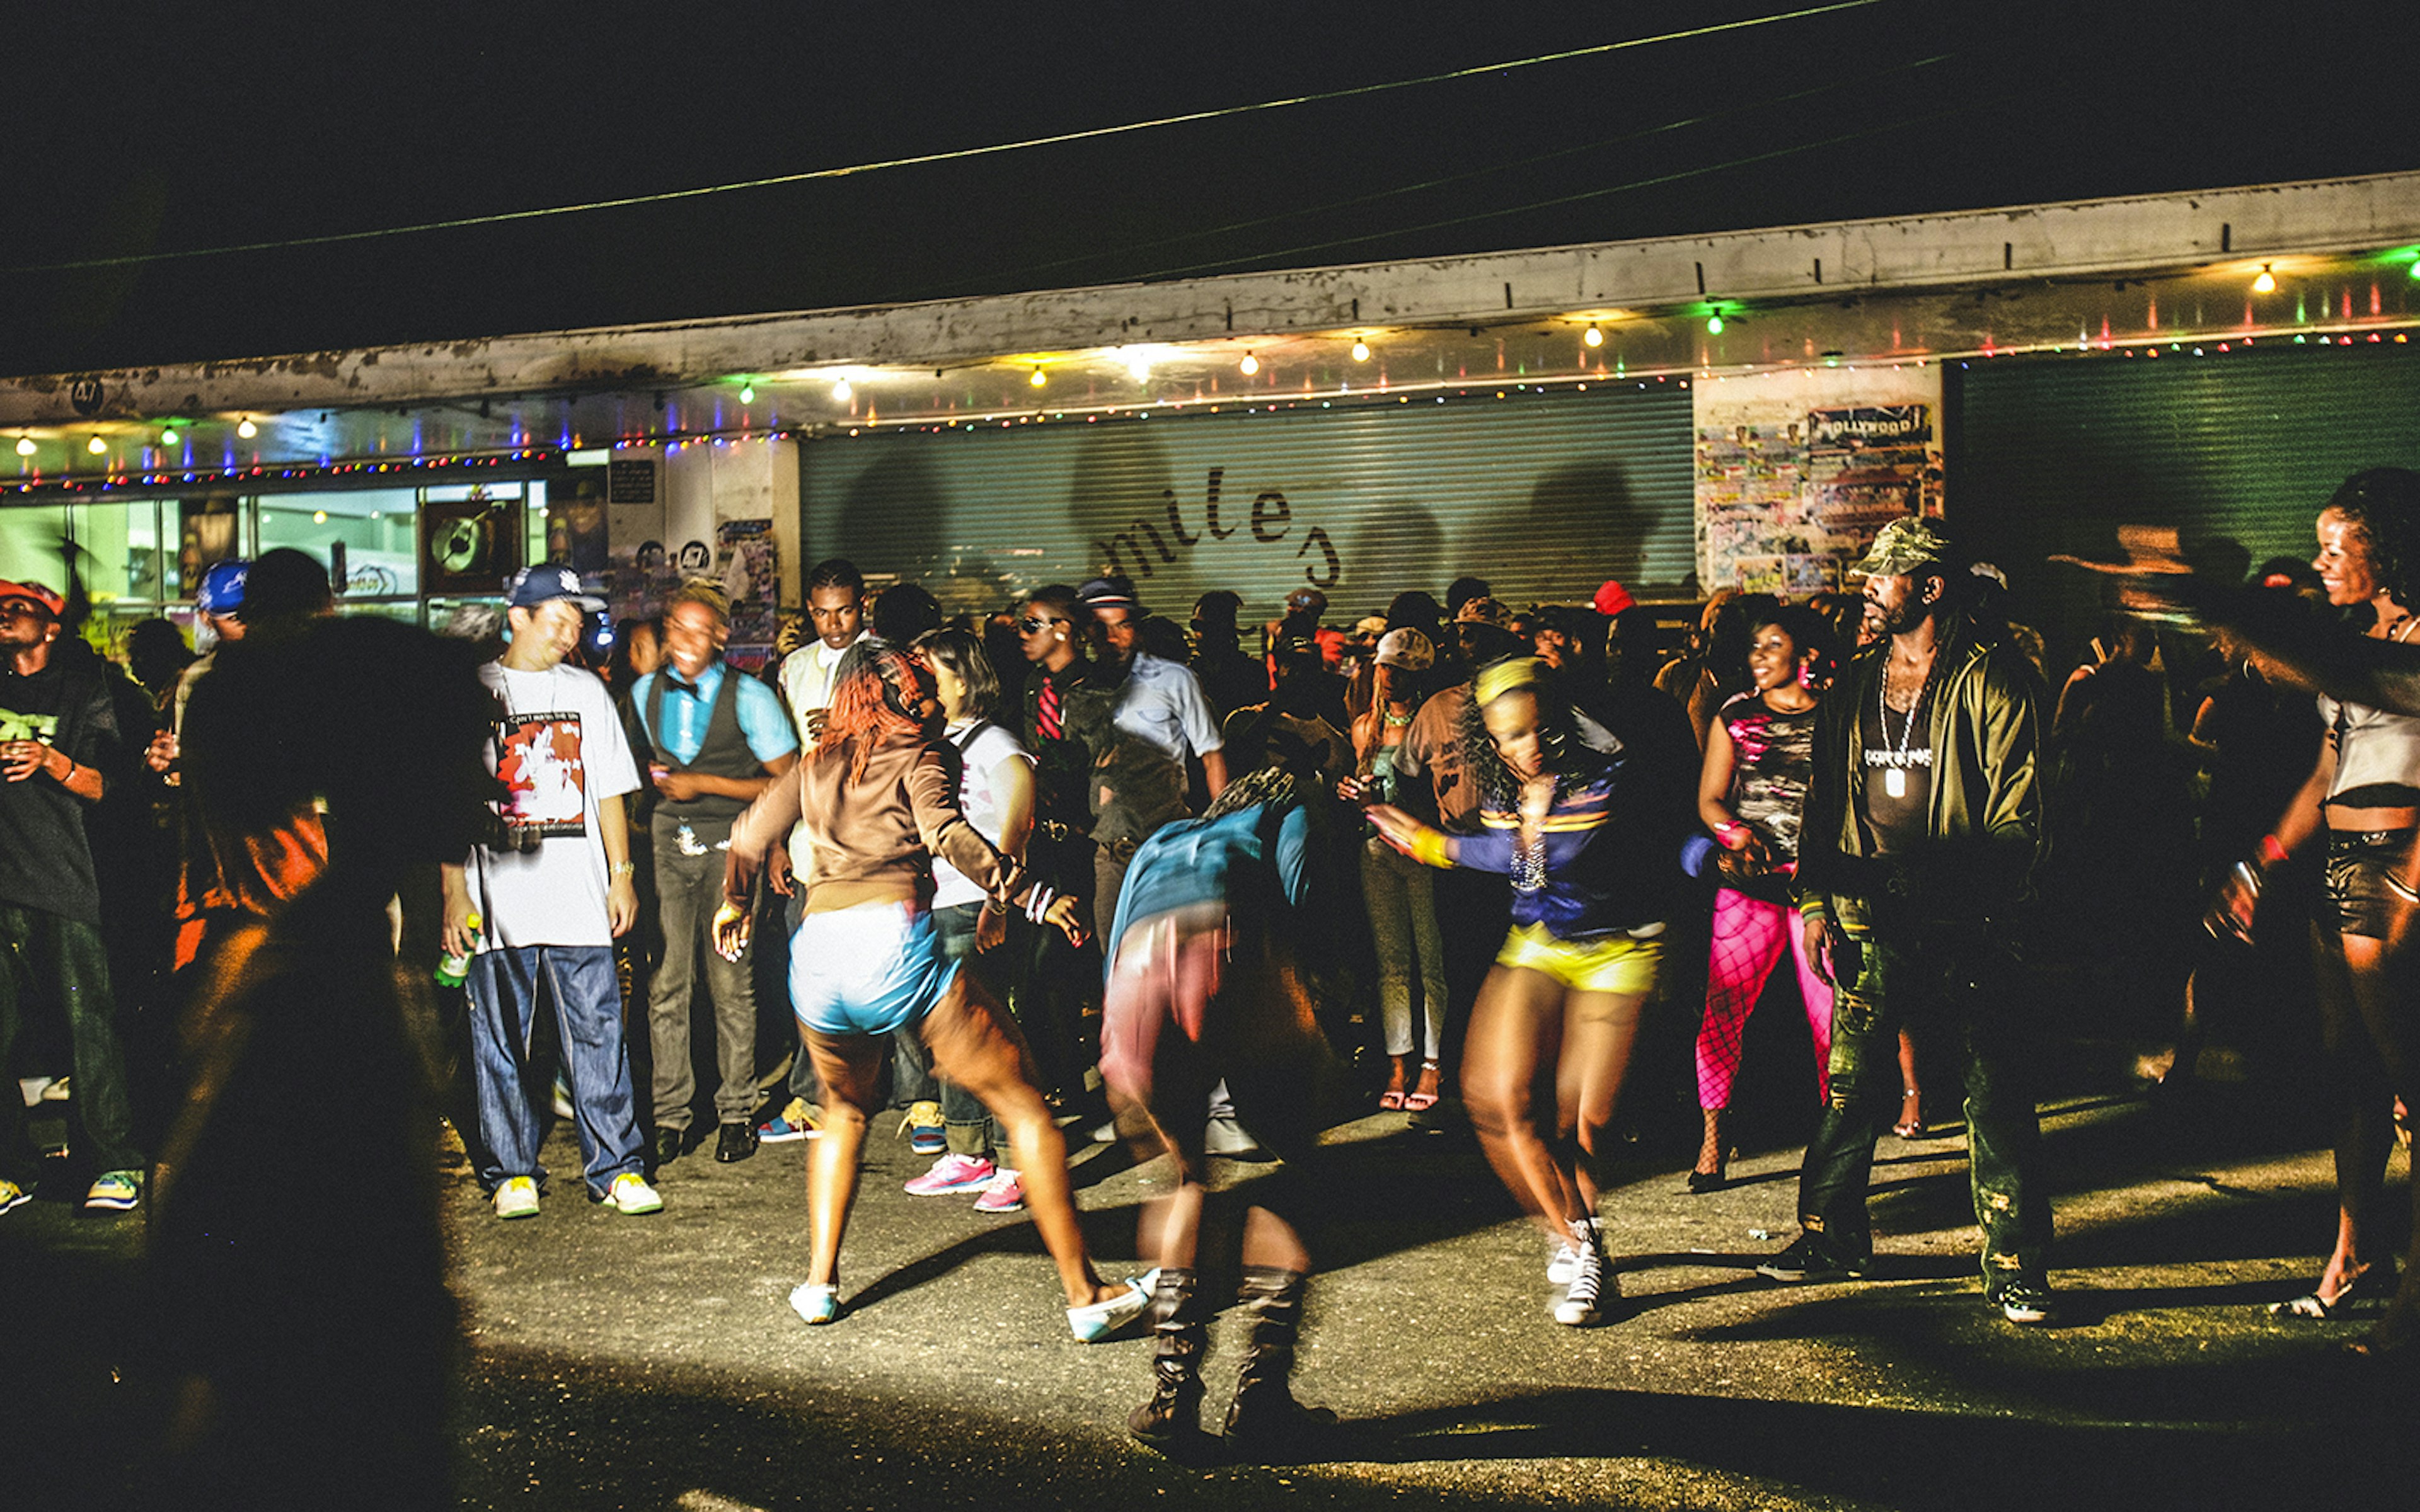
(880, 799)
(1751, 792)
(2365, 793)
(1202, 986)
(1588, 825)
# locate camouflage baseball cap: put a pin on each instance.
(1902, 546)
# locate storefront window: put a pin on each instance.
(373, 527)
(29, 544)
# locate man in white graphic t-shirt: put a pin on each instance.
(551, 892)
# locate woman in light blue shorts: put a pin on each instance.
(879, 799)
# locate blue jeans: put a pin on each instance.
(579, 980)
(43, 953)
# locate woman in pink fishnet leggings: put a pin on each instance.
(1759, 753)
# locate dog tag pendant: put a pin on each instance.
(1895, 782)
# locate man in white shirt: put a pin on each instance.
(551, 892)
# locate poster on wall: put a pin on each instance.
(1796, 471)
(469, 547)
(749, 565)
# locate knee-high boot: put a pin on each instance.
(1264, 1414)
(1179, 1337)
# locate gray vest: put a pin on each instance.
(724, 753)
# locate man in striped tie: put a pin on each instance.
(1052, 629)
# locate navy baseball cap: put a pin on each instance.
(532, 586)
(221, 590)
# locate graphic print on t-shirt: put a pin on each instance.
(538, 760)
(42, 727)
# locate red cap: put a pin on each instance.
(1612, 599)
(51, 603)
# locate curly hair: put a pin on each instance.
(1811, 634)
(2382, 505)
(874, 701)
(1562, 752)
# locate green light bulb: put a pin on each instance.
(1715, 324)
(748, 394)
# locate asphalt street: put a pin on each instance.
(653, 1362)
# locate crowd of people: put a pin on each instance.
(1073, 867)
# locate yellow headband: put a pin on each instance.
(1498, 678)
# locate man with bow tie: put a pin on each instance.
(718, 739)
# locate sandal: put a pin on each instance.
(1420, 1102)
(1910, 1125)
(2310, 1307)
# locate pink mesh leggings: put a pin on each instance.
(1749, 937)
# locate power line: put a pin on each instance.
(1375, 196)
(1549, 204)
(130, 259)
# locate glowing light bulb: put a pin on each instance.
(95, 446)
(2266, 283)
(168, 437)
(1715, 324)
(748, 394)
(1038, 378)
(841, 392)
(318, 516)
(1251, 365)
(24, 446)
(1592, 335)
(1361, 351)
(246, 429)
(2415, 268)
(1139, 367)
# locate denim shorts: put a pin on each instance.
(867, 970)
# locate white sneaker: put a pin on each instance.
(516, 1198)
(1565, 1265)
(1097, 1320)
(631, 1194)
(1594, 1286)
(816, 1305)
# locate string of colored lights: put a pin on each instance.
(2333, 338)
(665, 196)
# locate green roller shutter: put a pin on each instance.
(1546, 495)
(2237, 450)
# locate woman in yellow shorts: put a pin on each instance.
(1588, 825)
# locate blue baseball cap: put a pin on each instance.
(221, 590)
(532, 586)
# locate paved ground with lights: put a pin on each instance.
(653, 1362)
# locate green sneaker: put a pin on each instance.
(114, 1191)
(631, 1194)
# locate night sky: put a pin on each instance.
(133, 132)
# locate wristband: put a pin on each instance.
(1429, 847)
(2272, 850)
(621, 869)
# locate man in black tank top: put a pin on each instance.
(1924, 823)
(716, 739)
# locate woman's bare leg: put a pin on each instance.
(2351, 976)
(976, 1045)
(1513, 1041)
(849, 1067)
(1600, 1029)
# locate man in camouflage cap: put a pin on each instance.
(1923, 824)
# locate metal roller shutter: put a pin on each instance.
(1546, 495)
(2237, 451)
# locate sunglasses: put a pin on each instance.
(1035, 624)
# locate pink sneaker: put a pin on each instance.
(952, 1173)
(1006, 1194)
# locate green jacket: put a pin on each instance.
(1986, 824)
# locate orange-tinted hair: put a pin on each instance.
(874, 701)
